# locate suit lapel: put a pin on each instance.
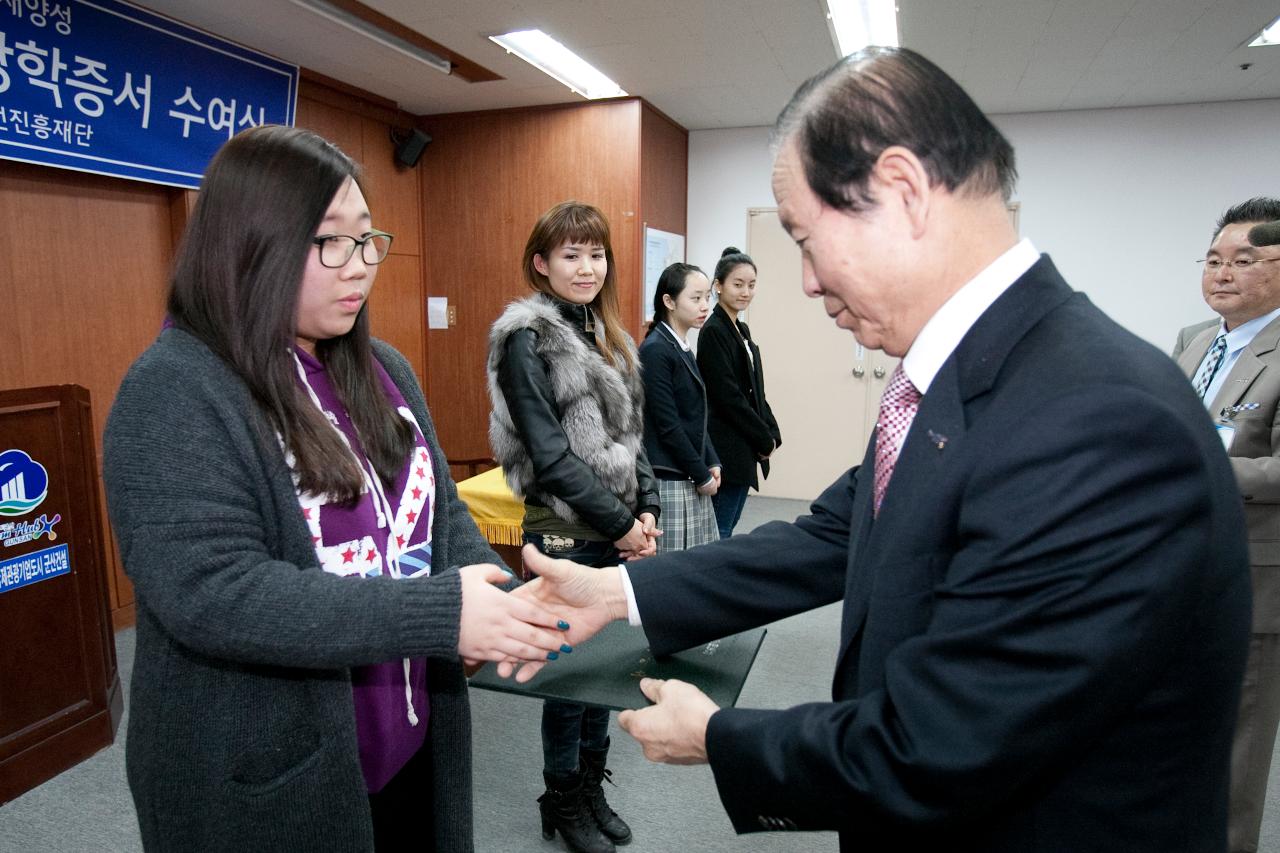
(1246, 368)
(1191, 357)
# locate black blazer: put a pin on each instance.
(741, 424)
(675, 410)
(1044, 631)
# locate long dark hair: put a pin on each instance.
(670, 283)
(573, 221)
(235, 287)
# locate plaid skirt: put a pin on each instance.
(688, 518)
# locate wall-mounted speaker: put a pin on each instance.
(409, 147)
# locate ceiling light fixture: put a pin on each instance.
(855, 24)
(1270, 35)
(554, 59)
(343, 18)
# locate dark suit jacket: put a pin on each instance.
(1254, 452)
(1043, 632)
(741, 425)
(675, 410)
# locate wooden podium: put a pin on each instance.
(60, 698)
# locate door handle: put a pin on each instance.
(859, 372)
(878, 373)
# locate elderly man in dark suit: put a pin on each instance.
(1234, 364)
(1041, 558)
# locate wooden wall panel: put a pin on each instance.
(664, 172)
(395, 308)
(85, 279)
(339, 126)
(487, 177)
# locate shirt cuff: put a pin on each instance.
(633, 612)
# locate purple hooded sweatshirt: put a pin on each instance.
(385, 532)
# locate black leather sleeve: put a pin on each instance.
(646, 487)
(526, 387)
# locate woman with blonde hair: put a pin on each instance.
(567, 428)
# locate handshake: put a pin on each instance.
(567, 604)
(535, 623)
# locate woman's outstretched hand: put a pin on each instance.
(500, 626)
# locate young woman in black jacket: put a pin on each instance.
(741, 424)
(675, 411)
(567, 427)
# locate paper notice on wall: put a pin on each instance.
(437, 312)
(661, 248)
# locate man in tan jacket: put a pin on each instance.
(1235, 366)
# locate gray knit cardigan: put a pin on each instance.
(241, 723)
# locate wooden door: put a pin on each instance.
(823, 386)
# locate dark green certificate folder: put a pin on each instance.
(606, 670)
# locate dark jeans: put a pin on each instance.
(729, 501)
(567, 726)
(402, 809)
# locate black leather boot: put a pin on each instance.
(593, 774)
(564, 808)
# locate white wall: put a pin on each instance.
(1124, 200)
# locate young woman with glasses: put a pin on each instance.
(307, 582)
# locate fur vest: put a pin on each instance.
(601, 407)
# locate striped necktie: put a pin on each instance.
(1209, 367)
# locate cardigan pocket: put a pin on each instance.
(267, 765)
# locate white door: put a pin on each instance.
(824, 388)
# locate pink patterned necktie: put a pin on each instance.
(897, 409)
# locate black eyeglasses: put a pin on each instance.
(337, 249)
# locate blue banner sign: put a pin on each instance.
(34, 567)
(106, 87)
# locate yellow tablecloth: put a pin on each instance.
(496, 511)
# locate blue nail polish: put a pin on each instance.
(562, 625)
(566, 648)
(553, 655)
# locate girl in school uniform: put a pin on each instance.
(675, 411)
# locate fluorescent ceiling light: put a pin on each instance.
(855, 24)
(1270, 35)
(551, 57)
(343, 18)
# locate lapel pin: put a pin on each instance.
(939, 441)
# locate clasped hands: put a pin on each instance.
(577, 602)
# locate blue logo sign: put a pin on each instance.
(24, 484)
(34, 567)
(104, 86)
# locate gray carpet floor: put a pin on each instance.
(88, 807)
